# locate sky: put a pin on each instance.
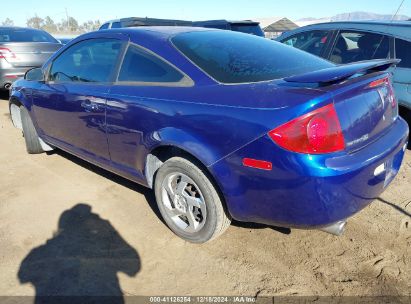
(104, 10)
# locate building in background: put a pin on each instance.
(275, 26)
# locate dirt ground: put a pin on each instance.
(68, 226)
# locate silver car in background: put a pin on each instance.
(22, 49)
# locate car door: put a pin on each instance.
(402, 73)
(352, 45)
(145, 83)
(314, 42)
(70, 107)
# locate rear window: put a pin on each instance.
(254, 29)
(402, 51)
(231, 57)
(25, 35)
(140, 66)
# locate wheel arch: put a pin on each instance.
(162, 153)
(404, 109)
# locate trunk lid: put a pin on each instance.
(363, 98)
(29, 54)
(366, 110)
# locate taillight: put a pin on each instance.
(6, 53)
(314, 133)
(386, 81)
(379, 82)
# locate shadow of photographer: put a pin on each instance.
(81, 260)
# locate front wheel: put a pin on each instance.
(189, 202)
(33, 144)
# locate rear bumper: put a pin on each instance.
(10, 75)
(308, 191)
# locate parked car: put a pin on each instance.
(345, 42)
(219, 130)
(64, 40)
(139, 21)
(22, 49)
(244, 26)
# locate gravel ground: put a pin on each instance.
(69, 228)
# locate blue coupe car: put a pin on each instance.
(222, 125)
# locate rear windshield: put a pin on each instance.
(254, 29)
(231, 57)
(25, 35)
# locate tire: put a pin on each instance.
(31, 137)
(405, 113)
(186, 196)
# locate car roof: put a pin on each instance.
(223, 21)
(374, 22)
(145, 35)
(18, 28)
(164, 31)
(399, 29)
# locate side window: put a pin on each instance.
(403, 52)
(141, 66)
(91, 60)
(357, 46)
(104, 26)
(116, 25)
(312, 42)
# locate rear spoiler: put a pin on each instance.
(343, 72)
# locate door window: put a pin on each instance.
(403, 52)
(104, 26)
(91, 60)
(141, 66)
(312, 42)
(358, 46)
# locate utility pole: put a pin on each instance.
(67, 17)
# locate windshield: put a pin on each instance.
(254, 29)
(231, 57)
(25, 35)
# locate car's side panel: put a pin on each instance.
(139, 119)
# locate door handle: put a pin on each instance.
(90, 106)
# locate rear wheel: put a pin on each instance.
(405, 113)
(33, 144)
(189, 202)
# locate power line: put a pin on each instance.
(398, 10)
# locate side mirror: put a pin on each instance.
(34, 74)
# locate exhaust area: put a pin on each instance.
(336, 228)
(7, 86)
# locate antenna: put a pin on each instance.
(391, 21)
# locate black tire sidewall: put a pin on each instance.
(30, 134)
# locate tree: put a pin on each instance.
(90, 26)
(7, 22)
(70, 25)
(35, 22)
(97, 25)
(49, 25)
